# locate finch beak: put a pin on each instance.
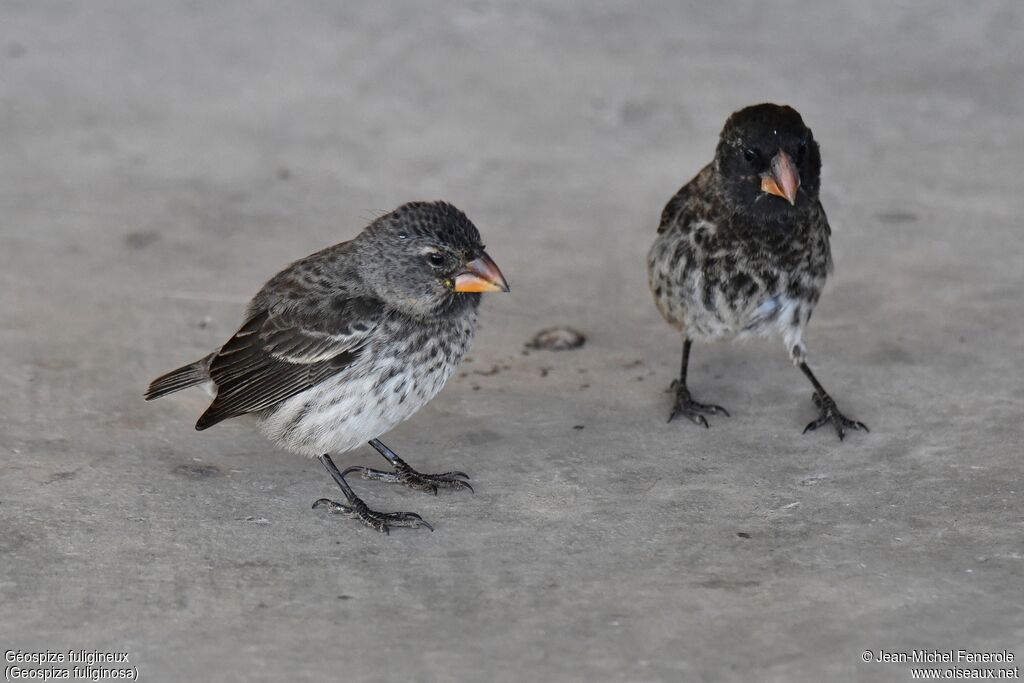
(783, 180)
(480, 275)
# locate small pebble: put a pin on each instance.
(557, 339)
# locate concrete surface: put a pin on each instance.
(162, 159)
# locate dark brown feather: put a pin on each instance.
(273, 357)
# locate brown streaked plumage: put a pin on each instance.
(342, 345)
(743, 248)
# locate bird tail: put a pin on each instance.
(184, 377)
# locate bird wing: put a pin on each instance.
(692, 202)
(673, 212)
(277, 354)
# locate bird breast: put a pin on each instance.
(393, 378)
(713, 291)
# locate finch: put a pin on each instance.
(743, 249)
(341, 346)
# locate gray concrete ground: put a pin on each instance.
(162, 159)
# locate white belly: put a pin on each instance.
(345, 412)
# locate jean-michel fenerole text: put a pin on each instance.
(952, 656)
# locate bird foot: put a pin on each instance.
(407, 476)
(685, 405)
(381, 521)
(829, 412)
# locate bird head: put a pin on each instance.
(768, 164)
(424, 256)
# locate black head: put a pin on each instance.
(768, 162)
(423, 255)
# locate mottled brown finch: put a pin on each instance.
(341, 346)
(743, 249)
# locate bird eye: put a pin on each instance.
(801, 150)
(751, 154)
(436, 259)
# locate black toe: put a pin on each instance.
(407, 476)
(829, 413)
(381, 521)
(685, 405)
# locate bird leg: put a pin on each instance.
(827, 409)
(684, 404)
(407, 476)
(357, 509)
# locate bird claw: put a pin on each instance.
(381, 521)
(693, 410)
(407, 476)
(829, 412)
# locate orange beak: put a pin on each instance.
(480, 275)
(783, 180)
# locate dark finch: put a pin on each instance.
(743, 248)
(341, 346)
